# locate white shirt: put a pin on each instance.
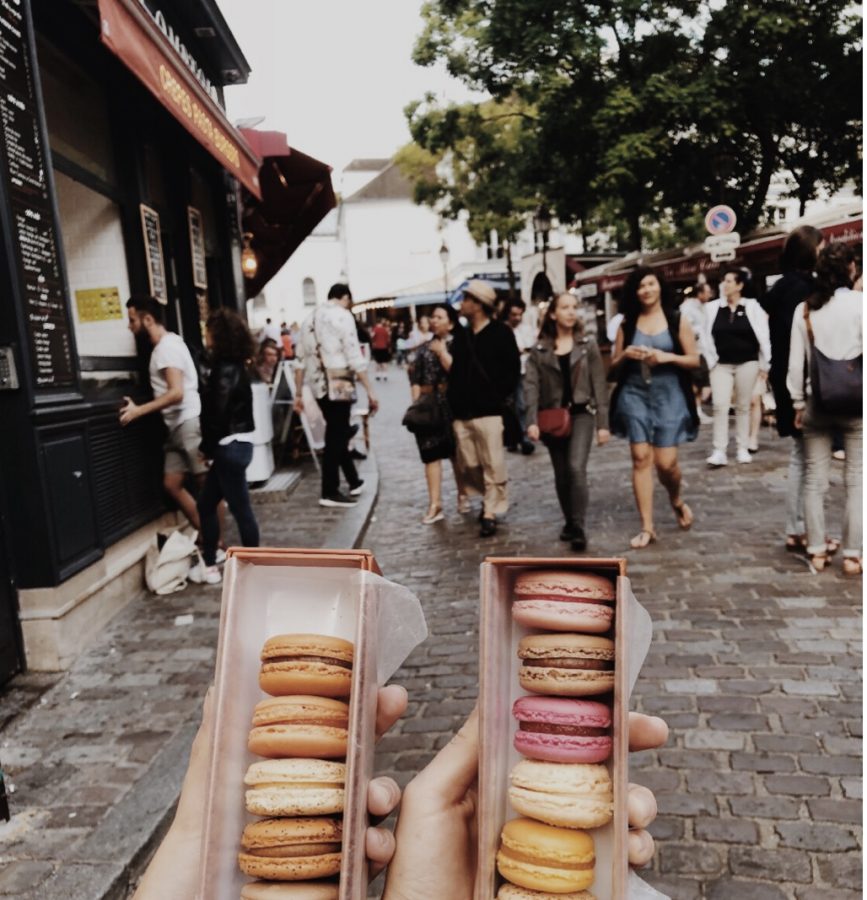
(525, 339)
(172, 353)
(692, 309)
(613, 327)
(838, 333)
(333, 328)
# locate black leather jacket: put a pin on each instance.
(227, 403)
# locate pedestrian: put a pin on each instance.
(738, 350)
(828, 328)
(653, 405)
(693, 308)
(565, 371)
(514, 310)
(332, 362)
(286, 341)
(429, 376)
(484, 369)
(420, 334)
(797, 262)
(175, 384)
(267, 360)
(380, 345)
(227, 437)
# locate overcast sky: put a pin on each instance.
(334, 75)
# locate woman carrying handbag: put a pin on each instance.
(567, 402)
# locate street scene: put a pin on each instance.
(316, 329)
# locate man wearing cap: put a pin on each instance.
(484, 369)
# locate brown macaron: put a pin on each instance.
(568, 665)
(291, 849)
(301, 726)
(289, 890)
(306, 664)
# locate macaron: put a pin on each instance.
(543, 858)
(295, 787)
(513, 892)
(288, 890)
(574, 795)
(571, 665)
(300, 726)
(559, 730)
(306, 664)
(291, 849)
(557, 600)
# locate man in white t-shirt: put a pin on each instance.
(175, 384)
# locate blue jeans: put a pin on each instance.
(227, 478)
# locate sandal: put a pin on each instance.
(435, 514)
(832, 545)
(796, 543)
(464, 506)
(852, 565)
(643, 539)
(818, 562)
(684, 515)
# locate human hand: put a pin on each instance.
(533, 432)
(633, 351)
(173, 873)
(373, 403)
(654, 357)
(129, 412)
(799, 419)
(603, 435)
(298, 405)
(437, 346)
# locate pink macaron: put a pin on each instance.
(564, 600)
(555, 729)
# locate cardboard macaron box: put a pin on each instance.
(307, 637)
(561, 642)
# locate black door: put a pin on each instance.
(11, 655)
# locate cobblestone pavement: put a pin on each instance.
(754, 664)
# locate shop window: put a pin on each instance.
(90, 227)
(308, 292)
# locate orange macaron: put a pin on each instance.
(300, 726)
(291, 849)
(306, 664)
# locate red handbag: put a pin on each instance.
(555, 423)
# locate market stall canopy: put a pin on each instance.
(130, 32)
(296, 196)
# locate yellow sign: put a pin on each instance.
(98, 304)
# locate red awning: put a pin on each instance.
(296, 196)
(129, 32)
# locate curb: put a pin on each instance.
(350, 531)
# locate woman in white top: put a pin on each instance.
(737, 346)
(836, 320)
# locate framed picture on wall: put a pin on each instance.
(197, 248)
(150, 223)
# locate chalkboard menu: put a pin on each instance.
(197, 248)
(150, 224)
(31, 212)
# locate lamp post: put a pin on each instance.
(542, 224)
(444, 259)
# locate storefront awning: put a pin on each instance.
(130, 33)
(296, 195)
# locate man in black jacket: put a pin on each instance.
(486, 369)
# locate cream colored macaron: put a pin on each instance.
(573, 795)
(295, 787)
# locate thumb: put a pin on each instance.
(453, 770)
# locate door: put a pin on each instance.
(11, 652)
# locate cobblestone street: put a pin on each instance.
(754, 664)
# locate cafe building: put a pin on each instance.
(120, 174)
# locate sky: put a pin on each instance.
(334, 75)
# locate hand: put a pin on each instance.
(373, 403)
(763, 376)
(633, 351)
(654, 357)
(799, 419)
(437, 346)
(298, 405)
(533, 432)
(173, 873)
(129, 412)
(438, 817)
(603, 436)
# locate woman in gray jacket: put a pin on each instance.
(565, 369)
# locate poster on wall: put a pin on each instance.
(150, 223)
(197, 248)
(98, 304)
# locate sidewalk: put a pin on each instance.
(97, 754)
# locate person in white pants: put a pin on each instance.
(738, 349)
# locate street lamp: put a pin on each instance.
(542, 224)
(444, 259)
(249, 261)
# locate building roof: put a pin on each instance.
(367, 165)
(389, 184)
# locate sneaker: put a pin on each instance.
(528, 448)
(356, 489)
(744, 456)
(337, 499)
(489, 528)
(357, 454)
(220, 557)
(839, 454)
(717, 459)
(704, 418)
(569, 533)
(202, 574)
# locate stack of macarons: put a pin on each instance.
(301, 730)
(562, 787)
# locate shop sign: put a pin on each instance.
(197, 248)
(150, 224)
(98, 304)
(585, 291)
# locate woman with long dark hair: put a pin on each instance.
(564, 370)
(227, 436)
(653, 404)
(830, 321)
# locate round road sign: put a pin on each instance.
(720, 220)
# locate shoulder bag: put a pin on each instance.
(836, 384)
(556, 422)
(339, 382)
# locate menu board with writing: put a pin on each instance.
(150, 224)
(197, 248)
(31, 211)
